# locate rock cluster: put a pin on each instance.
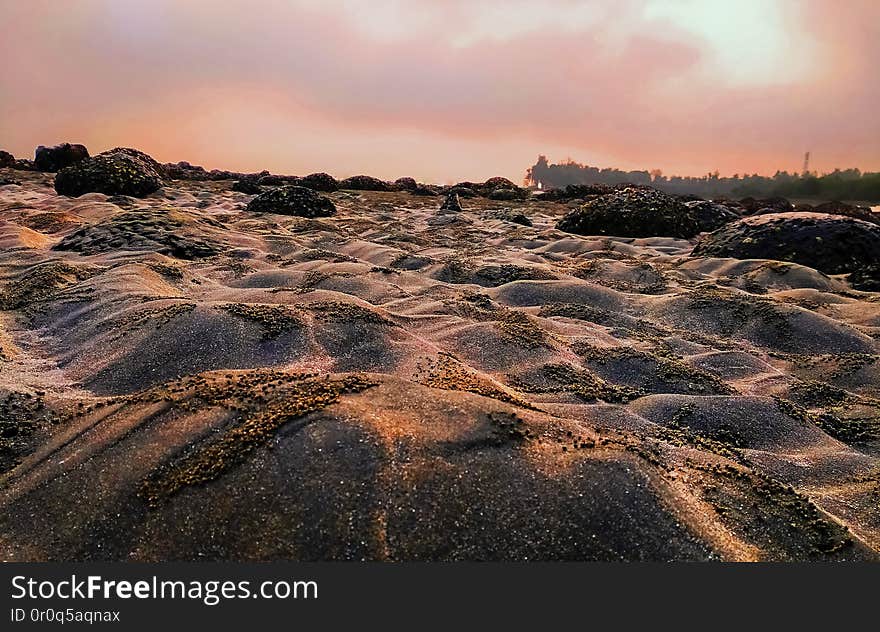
(120, 171)
(292, 200)
(405, 184)
(636, 212)
(424, 190)
(752, 206)
(711, 215)
(248, 186)
(319, 182)
(507, 194)
(60, 156)
(833, 244)
(364, 183)
(831, 208)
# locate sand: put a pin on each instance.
(182, 379)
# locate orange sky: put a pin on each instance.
(448, 90)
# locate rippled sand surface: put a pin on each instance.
(182, 379)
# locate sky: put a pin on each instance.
(448, 90)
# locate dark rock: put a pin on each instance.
(270, 180)
(848, 210)
(274, 180)
(425, 190)
(292, 200)
(247, 185)
(462, 192)
(223, 174)
(451, 203)
(23, 164)
(831, 208)
(473, 186)
(866, 278)
(122, 201)
(831, 243)
(319, 182)
(632, 212)
(751, 205)
(120, 171)
(139, 155)
(185, 171)
(496, 183)
(508, 194)
(60, 156)
(6, 181)
(711, 215)
(510, 215)
(405, 184)
(576, 192)
(6, 159)
(364, 183)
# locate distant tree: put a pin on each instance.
(848, 184)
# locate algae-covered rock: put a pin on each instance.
(833, 244)
(117, 172)
(292, 200)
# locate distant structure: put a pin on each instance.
(806, 169)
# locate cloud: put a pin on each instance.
(385, 85)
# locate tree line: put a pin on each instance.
(846, 184)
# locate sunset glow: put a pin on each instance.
(444, 91)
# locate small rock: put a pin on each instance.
(451, 204)
(57, 157)
(247, 186)
(508, 194)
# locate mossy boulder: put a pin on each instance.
(866, 278)
(751, 206)
(144, 157)
(576, 192)
(119, 171)
(833, 244)
(424, 190)
(247, 186)
(497, 183)
(711, 215)
(832, 208)
(364, 183)
(405, 184)
(319, 182)
(461, 191)
(508, 194)
(633, 212)
(292, 200)
(60, 156)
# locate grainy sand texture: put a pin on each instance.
(184, 378)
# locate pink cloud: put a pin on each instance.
(275, 85)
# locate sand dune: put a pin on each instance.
(186, 379)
